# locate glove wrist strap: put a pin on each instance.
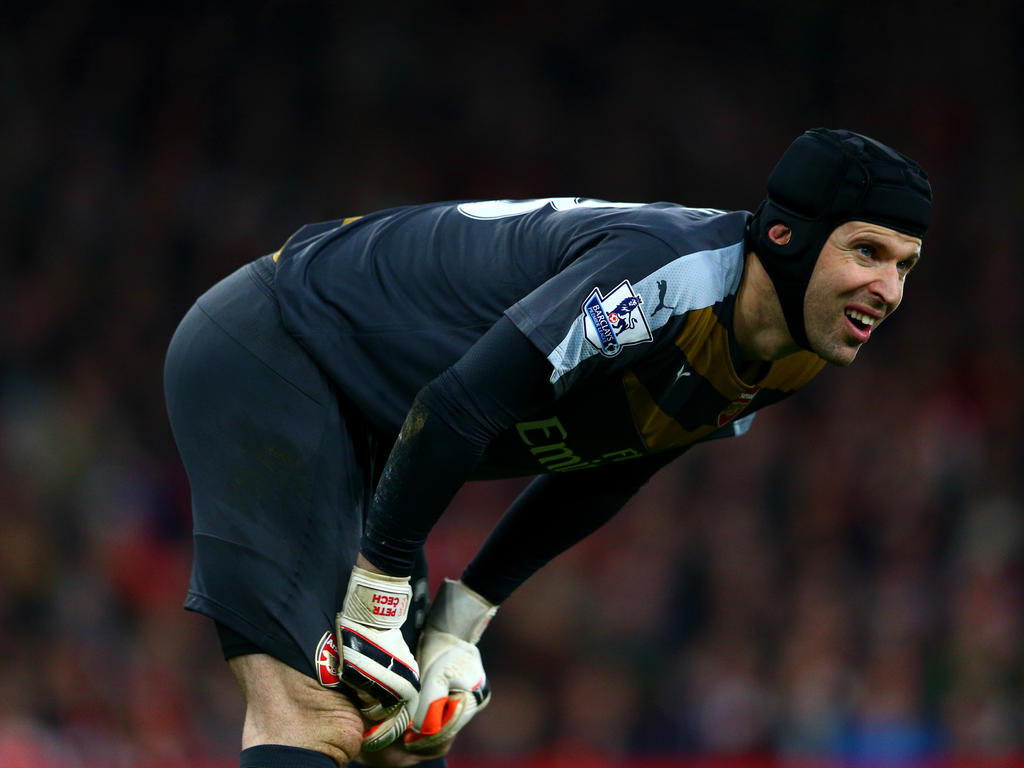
(460, 611)
(377, 600)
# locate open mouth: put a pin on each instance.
(860, 323)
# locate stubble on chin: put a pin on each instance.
(833, 350)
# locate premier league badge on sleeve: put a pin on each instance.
(615, 321)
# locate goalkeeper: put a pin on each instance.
(328, 401)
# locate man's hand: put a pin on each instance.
(375, 660)
(454, 684)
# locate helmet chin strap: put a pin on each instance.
(789, 265)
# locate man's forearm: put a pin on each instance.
(444, 437)
(427, 466)
(550, 516)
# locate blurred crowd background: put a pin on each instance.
(844, 582)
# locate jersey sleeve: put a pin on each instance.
(451, 423)
(622, 297)
(554, 513)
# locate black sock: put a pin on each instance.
(278, 756)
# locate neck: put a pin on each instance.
(760, 326)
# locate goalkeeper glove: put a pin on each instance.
(375, 659)
(454, 686)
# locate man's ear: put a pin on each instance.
(780, 234)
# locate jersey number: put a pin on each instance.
(500, 209)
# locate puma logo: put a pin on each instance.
(662, 289)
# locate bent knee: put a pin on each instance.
(284, 706)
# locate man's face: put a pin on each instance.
(857, 282)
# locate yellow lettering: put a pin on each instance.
(625, 453)
(544, 426)
(561, 454)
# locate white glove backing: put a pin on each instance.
(454, 686)
(375, 659)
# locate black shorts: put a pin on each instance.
(281, 472)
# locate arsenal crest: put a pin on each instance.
(327, 660)
(735, 408)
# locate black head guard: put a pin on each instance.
(825, 178)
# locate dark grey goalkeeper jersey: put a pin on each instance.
(630, 303)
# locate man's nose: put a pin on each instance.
(889, 287)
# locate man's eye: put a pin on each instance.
(905, 265)
(866, 250)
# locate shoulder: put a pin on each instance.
(700, 254)
(587, 214)
(687, 230)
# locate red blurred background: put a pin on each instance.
(841, 585)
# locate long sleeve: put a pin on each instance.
(447, 430)
(501, 380)
(550, 516)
